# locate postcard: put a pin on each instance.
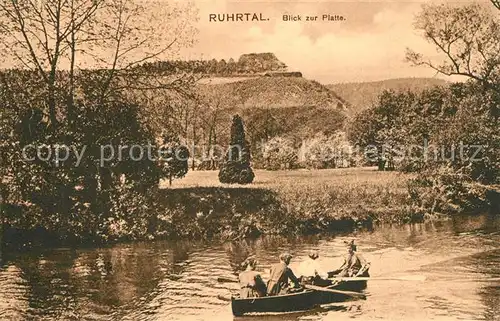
(249, 160)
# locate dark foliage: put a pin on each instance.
(77, 199)
(174, 160)
(236, 167)
(448, 135)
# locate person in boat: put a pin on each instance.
(251, 283)
(280, 276)
(354, 264)
(310, 271)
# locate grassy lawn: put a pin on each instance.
(342, 177)
(335, 193)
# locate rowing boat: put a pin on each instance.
(299, 301)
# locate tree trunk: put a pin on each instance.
(381, 164)
(51, 102)
(209, 151)
(194, 146)
(186, 129)
(71, 103)
(106, 184)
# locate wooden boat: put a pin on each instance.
(300, 301)
(352, 286)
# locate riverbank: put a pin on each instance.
(295, 202)
(292, 203)
(300, 202)
(200, 207)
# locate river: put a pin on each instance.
(177, 280)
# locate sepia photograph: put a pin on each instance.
(250, 160)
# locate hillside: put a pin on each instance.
(285, 106)
(272, 92)
(362, 95)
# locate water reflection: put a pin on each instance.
(489, 265)
(178, 281)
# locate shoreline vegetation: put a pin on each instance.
(294, 203)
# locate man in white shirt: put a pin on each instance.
(311, 270)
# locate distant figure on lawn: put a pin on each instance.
(280, 276)
(251, 283)
(354, 264)
(311, 271)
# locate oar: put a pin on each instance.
(319, 288)
(396, 278)
(222, 279)
(414, 278)
(458, 280)
(223, 298)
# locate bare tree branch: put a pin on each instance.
(471, 49)
(152, 55)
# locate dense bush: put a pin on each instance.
(76, 198)
(462, 175)
(279, 153)
(323, 151)
(449, 135)
(465, 174)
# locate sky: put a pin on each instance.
(368, 46)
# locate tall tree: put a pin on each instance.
(214, 102)
(67, 35)
(468, 38)
(71, 81)
(236, 167)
